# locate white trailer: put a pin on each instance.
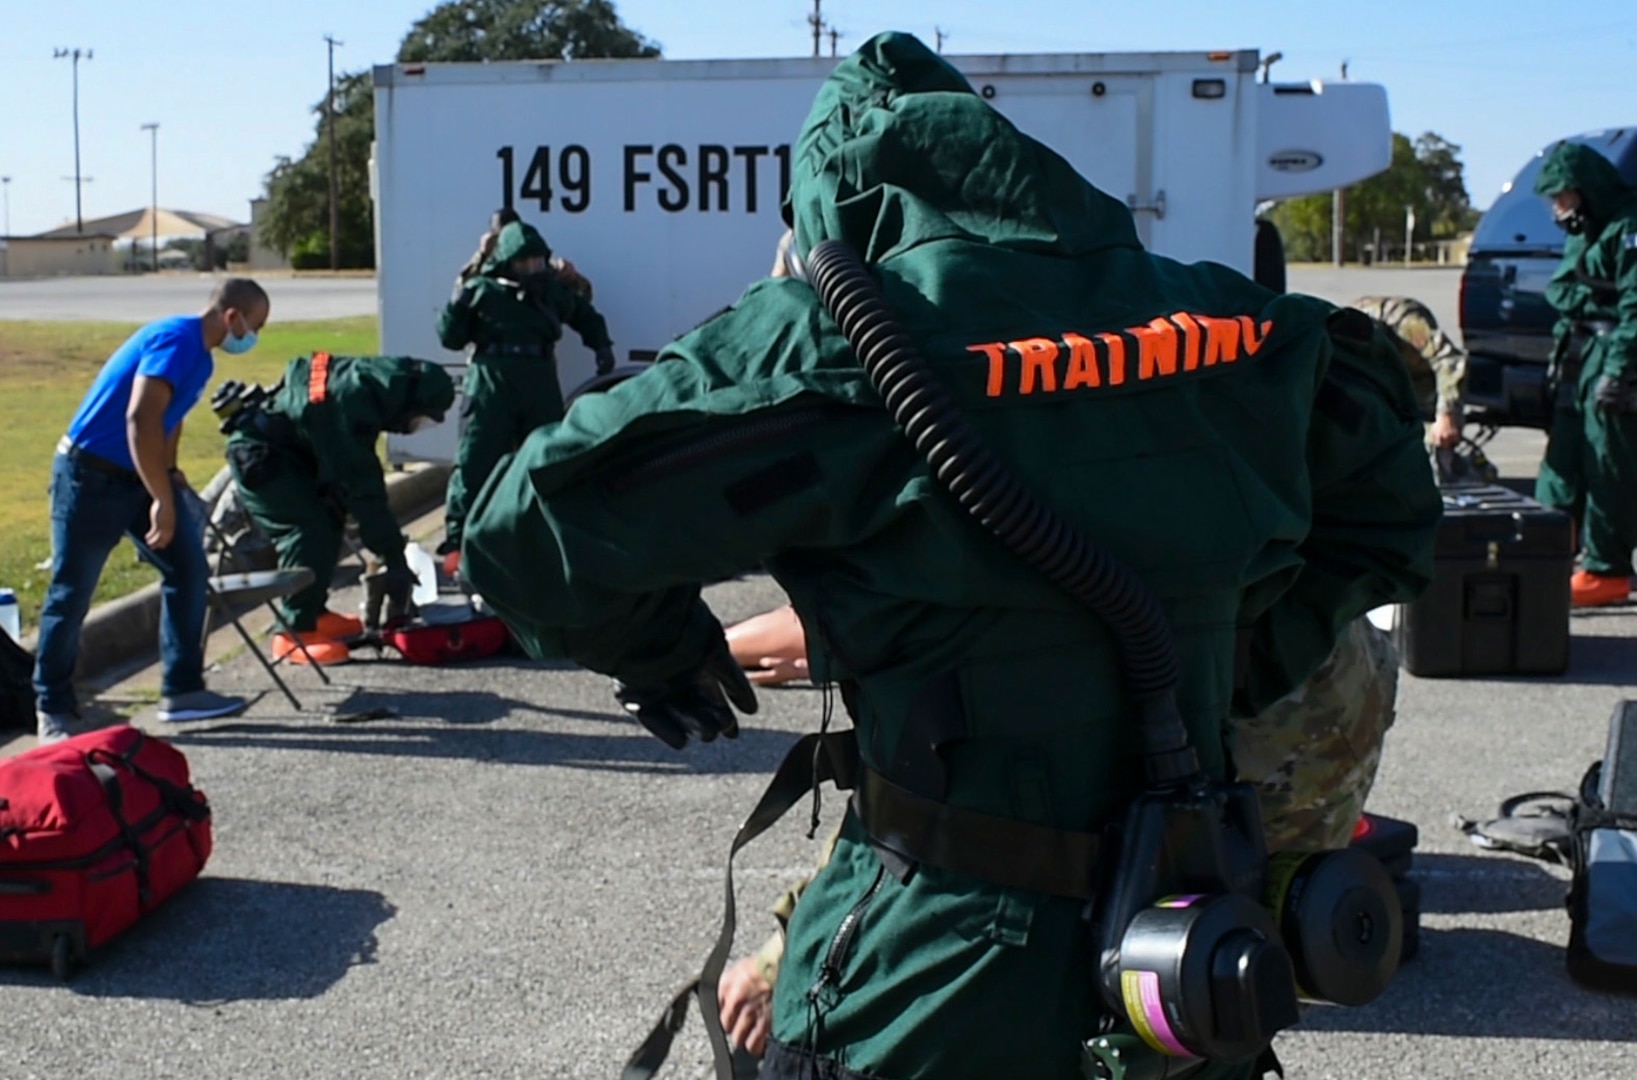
(662, 180)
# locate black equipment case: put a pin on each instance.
(1499, 599)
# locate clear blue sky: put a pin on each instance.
(232, 85)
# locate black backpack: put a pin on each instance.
(16, 685)
(1594, 833)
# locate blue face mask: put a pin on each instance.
(234, 344)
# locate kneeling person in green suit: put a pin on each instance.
(305, 458)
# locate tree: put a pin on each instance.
(297, 220)
(1425, 175)
(297, 217)
(1447, 196)
(471, 30)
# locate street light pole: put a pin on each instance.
(74, 55)
(153, 213)
(335, 205)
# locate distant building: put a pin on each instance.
(134, 233)
(89, 253)
(263, 257)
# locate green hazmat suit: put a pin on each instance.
(1256, 458)
(307, 458)
(1590, 469)
(512, 326)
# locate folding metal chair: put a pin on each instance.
(263, 586)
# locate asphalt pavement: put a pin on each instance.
(141, 299)
(508, 878)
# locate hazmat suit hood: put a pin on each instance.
(1603, 193)
(898, 150)
(517, 240)
(404, 388)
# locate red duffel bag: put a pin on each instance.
(449, 643)
(95, 832)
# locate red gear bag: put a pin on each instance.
(95, 832)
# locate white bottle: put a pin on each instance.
(11, 619)
(426, 574)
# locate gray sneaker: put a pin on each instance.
(54, 727)
(199, 705)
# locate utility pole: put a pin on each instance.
(153, 129)
(1338, 213)
(834, 34)
(816, 21)
(938, 33)
(1409, 233)
(5, 187)
(75, 55)
(335, 201)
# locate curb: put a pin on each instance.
(127, 629)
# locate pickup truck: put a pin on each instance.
(1506, 323)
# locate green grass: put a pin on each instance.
(46, 368)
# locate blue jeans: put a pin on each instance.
(90, 511)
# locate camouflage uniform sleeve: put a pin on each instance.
(1449, 363)
(1375, 513)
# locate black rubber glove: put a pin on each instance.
(398, 583)
(695, 703)
(1617, 394)
(605, 360)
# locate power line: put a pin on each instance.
(75, 55)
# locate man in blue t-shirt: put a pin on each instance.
(115, 475)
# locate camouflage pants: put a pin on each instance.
(1314, 753)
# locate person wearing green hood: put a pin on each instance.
(1250, 457)
(1590, 469)
(511, 313)
(305, 457)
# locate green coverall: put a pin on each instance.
(1590, 469)
(1254, 457)
(307, 458)
(511, 385)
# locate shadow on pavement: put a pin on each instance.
(462, 734)
(1486, 884)
(1472, 983)
(233, 939)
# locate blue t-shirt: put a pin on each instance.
(171, 349)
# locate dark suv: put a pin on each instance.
(1506, 322)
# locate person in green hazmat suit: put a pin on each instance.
(1248, 455)
(1590, 469)
(305, 457)
(511, 313)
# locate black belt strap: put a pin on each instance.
(1012, 853)
(520, 349)
(996, 849)
(73, 452)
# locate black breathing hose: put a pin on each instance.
(983, 485)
